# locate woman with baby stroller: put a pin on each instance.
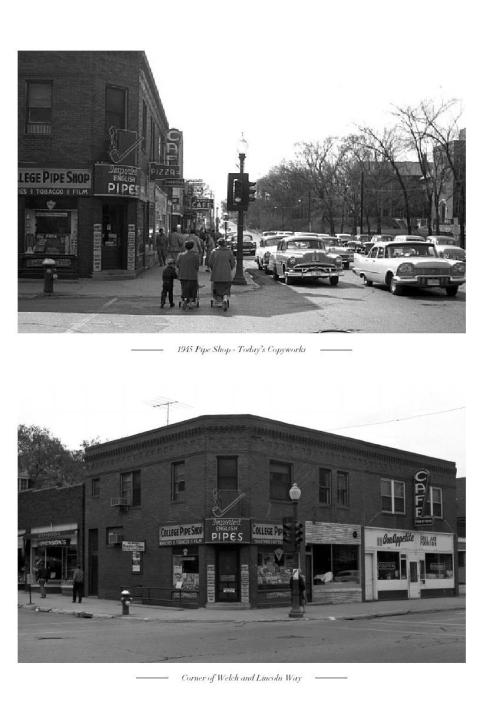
(188, 263)
(221, 264)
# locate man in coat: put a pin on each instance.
(161, 246)
(188, 264)
(222, 264)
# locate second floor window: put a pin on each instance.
(325, 486)
(393, 495)
(227, 473)
(280, 480)
(144, 125)
(178, 482)
(95, 488)
(342, 488)
(434, 505)
(130, 487)
(116, 108)
(39, 107)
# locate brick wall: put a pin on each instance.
(50, 506)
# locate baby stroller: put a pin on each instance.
(190, 297)
(220, 294)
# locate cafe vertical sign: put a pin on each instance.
(421, 489)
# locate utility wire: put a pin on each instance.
(401, 419)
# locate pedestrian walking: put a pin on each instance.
(175, 245)
(209, 247)
(77, 584)
(42, 578)
(169, 274)
(161, 246)
(222, 265)
(188, 263)
(197, 245)
(298, 576)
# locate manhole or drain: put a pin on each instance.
(51, 638)
(345, 331)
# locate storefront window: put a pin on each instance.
(438, 566)
(186, 570)
(60, 561)
(274, 567)
(388, 565)
(335, 563)
(52, 233)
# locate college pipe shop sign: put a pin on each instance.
(221, 531)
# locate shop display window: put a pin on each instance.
(52, 234)
(335, 563)
(388, 566)
(186, 570)
(274, 567)
(60, 561)
(438, 566)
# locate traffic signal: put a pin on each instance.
(235, 189)
(251, 192)
(288, 531)
(299, 533)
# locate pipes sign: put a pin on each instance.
(421, 485)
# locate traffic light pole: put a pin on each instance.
(296, 612)
(239, 278)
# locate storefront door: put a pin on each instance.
(114, 235)
(93, 562)
(228, 575)
(369, 577)
(414, 585)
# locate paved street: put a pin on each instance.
(263, 305)
(414, 637)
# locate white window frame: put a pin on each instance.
(392, 511)
(431, 501)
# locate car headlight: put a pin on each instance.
(406, 269)
(458, 269)
(292, 261)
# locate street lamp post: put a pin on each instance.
(295, 612)
(239, 278)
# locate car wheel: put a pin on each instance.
(334, 280)
(366, 282)
(451, 291)
(286, 277)
(394, 287)
(275, 274)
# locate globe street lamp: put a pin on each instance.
(295, 612)
(239, 278)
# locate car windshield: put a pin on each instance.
(306, 244)
(457, 254)
(331, 241)
(419, 249)
(271, 242)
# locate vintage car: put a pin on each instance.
(441, 239)
(305, 257)
(249, 245)
(267, 246)
(335, 246)
(449, 251)
(409, 238)
(398, 265)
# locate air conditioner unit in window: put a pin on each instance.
(120, 502)
(115, 538)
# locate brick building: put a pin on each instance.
(195, 511)
(50, 531)
(89, 125)
(461, 532)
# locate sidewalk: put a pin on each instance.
(100, 608)
(147, 284)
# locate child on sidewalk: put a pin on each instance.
(168, 275)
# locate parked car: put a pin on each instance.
(409, 264)
(442, 239)
(249, 246)
(448, 251)
(408, 238)
(305, 257)
(347, 575)
(335, 246)
(266, 247)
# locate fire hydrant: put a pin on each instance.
(48, 276)
(125, 599)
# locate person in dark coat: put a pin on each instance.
(188, 264)
(161, 246)
(42, 578)
(222, 264)
(169, 274)
(297, 575)
(77, 584)
(175, 244)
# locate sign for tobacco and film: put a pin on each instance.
(161, 171)
(54, 181)
(187, 533)
(202, 203)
